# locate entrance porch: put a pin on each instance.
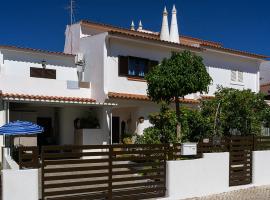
(64, 123)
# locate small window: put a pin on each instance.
(42, 73)
(233, 75)
(135, 67)
(237, 76)
(240, 76)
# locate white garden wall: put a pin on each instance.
(185, 178)
(199, 177)
(20, 184)
(261, 168)
(210, 175)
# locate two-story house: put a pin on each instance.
(116, 60)
(102, 70)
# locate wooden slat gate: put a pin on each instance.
(104, 172)
(241, 160)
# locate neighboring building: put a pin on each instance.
(43, 87)
(265, 79)
(110, 66)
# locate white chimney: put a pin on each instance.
(132, 26)
(140, 28)
(174, 35)
(164, 33)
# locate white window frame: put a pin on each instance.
(239, 77)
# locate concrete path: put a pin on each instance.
(254, 193)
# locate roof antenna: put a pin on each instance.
(71, 8)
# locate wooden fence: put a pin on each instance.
(241, 160)
(104, 171)
(127, 171)
(211, 145)
(262, 143)
(28, 157)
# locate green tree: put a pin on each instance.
(182, 74)
(194, 125)
(235, 111)
(163, 129)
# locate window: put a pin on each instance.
(237, 76)
(135, 67)
(240, 76)
(42, 73)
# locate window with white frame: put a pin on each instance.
(237, 76)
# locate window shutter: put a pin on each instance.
(233, 75)
(50, 73)
(123, 65)
(42, 73)
(240, 76)
(35, 72)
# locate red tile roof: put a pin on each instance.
(154, 35)
(265, 84)
(136, 36)
(238, 52)
(207, 97)
(143, 97)
(185, 40)
(45, 98)
(35, 50)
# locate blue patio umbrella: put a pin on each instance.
(18, 128)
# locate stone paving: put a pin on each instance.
(254, 193)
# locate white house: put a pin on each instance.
(112, 54)
(44, 87)
(107, 77)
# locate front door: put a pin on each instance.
(45, 138)
(115, 129)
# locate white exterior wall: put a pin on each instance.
(72, 35)
(130, 110)
(115, 48)
(261, 166)
(102, 135)
(95, 137)
(219, 67)
(265, 72)
(67, 115)
(94, 52)
(15, 75)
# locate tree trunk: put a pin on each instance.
(178, 115)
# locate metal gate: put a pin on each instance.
(240, 160)
(104, 172)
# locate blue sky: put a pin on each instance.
(239, 24)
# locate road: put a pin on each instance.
(254, 193)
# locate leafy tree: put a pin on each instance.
(182, 74)
(194, 125)
(235, 111)
(163, 129)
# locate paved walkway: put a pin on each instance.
(254, 193)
